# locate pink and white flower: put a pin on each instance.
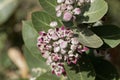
(58, 46)
(72, 58)
(69, 9)
(57, 68)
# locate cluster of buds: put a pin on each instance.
(69, 9)
(59, 45)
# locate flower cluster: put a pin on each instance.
(58, 46)
(69, 9)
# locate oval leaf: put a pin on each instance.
(41, 21)
(30, 38)
(83, 70)
(49, 6)
(95, 12)
(48, 76)
(104, 69)
(6, 9)
(111, 36)
(88, 38)
(32, 59)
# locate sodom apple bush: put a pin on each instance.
(64, 50)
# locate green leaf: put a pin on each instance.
(104, 69)
(91, 12)
(95, 11)
(49, 6)
(113, 15)
(5, 61)
(83, 70)
(6, 9)
(88, 38)
(3, 38)
(30, 38)
(109, 33)
(48, 76)
(41, 21)
(32, 59)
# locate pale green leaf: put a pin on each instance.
(83, 70)
(95, 11)
(30, 58)
(30, 38)
(88, 38)
(41, 21)
(49, 6)
(109, 33)
(6, 9)
(48, 76)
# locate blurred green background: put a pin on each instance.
(12, 13)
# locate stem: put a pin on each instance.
(75, 23)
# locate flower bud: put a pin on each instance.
(56, 49)
(77, 11)
(60, 1)
(74, 41)
(58, 8)
(63, 44)
(69, 7)
(69, 1)
(59, 13)
(67, 16)
(63, 7)
(53, 24)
